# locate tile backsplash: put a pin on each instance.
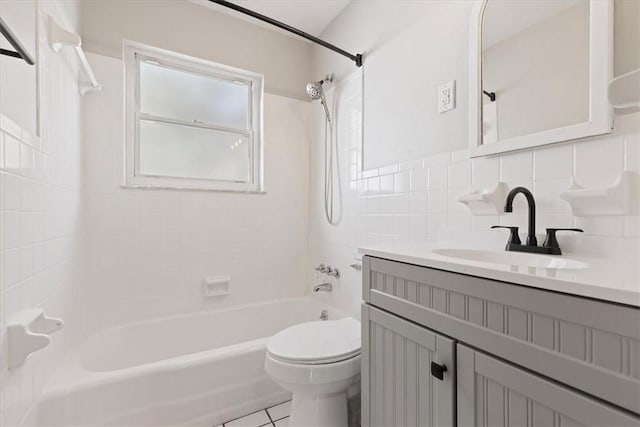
(416, 201)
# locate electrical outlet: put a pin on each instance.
(447, 96)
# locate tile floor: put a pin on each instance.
(274, 416)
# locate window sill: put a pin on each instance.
(177, 188)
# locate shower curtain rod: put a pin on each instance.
(20, 51)
(357, 58)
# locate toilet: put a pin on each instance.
(318, 362)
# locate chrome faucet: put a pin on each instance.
(327, 269)
(325, 287)
(322, 269)
(550, 245)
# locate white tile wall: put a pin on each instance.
(423, 204)
(148, 251)
(40, 225)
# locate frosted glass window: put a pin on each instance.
(191, 152)
(191, 123)
(192, 97)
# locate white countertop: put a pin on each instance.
(602, 279)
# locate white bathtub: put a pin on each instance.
(198, 369)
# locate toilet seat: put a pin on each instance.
(317, 343)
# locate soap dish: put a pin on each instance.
(488, 201)
(616, 199)
(28, 331)
(216, 286)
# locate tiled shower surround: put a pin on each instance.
(41, 225)
(149, 251)
(416, 201)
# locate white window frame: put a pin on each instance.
(133, 52)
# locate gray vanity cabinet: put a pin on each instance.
(493, 393)
(518, 356)
(398, 387)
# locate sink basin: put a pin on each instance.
(512, 258)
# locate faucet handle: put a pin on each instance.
(514, 238)
(551, 240)
(321, 268)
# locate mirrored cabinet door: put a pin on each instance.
(18, 79)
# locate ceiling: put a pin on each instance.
(311, 16)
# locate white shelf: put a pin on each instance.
(58, 38)
(624, 90)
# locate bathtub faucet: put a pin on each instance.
(326, 287)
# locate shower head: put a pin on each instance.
(315, 91)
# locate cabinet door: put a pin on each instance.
(494, 393)
(398, 388)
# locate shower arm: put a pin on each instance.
(357, 58)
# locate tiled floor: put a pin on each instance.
(277, 416)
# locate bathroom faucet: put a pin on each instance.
(327, 269)
(508, 207)
(550, 245)
(326, 287)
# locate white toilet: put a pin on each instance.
(318, 362)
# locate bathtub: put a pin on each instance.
(190, 370)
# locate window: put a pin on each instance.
(191, 123)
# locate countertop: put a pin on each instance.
(603, 279)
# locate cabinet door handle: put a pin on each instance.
(438, 370)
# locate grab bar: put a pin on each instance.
(20, 51)
(59, 37)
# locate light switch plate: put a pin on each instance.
(447, 96)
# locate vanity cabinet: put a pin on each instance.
(399, 387)
(494, 393)
(523, 355)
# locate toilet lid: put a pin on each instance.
(323, 341)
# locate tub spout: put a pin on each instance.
(325, 287)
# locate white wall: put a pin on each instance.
(410, 48)
(41, 219)
(186, 27)
(148, 251)
(416, 200)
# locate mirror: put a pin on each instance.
(19, 80)
(539, 73)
